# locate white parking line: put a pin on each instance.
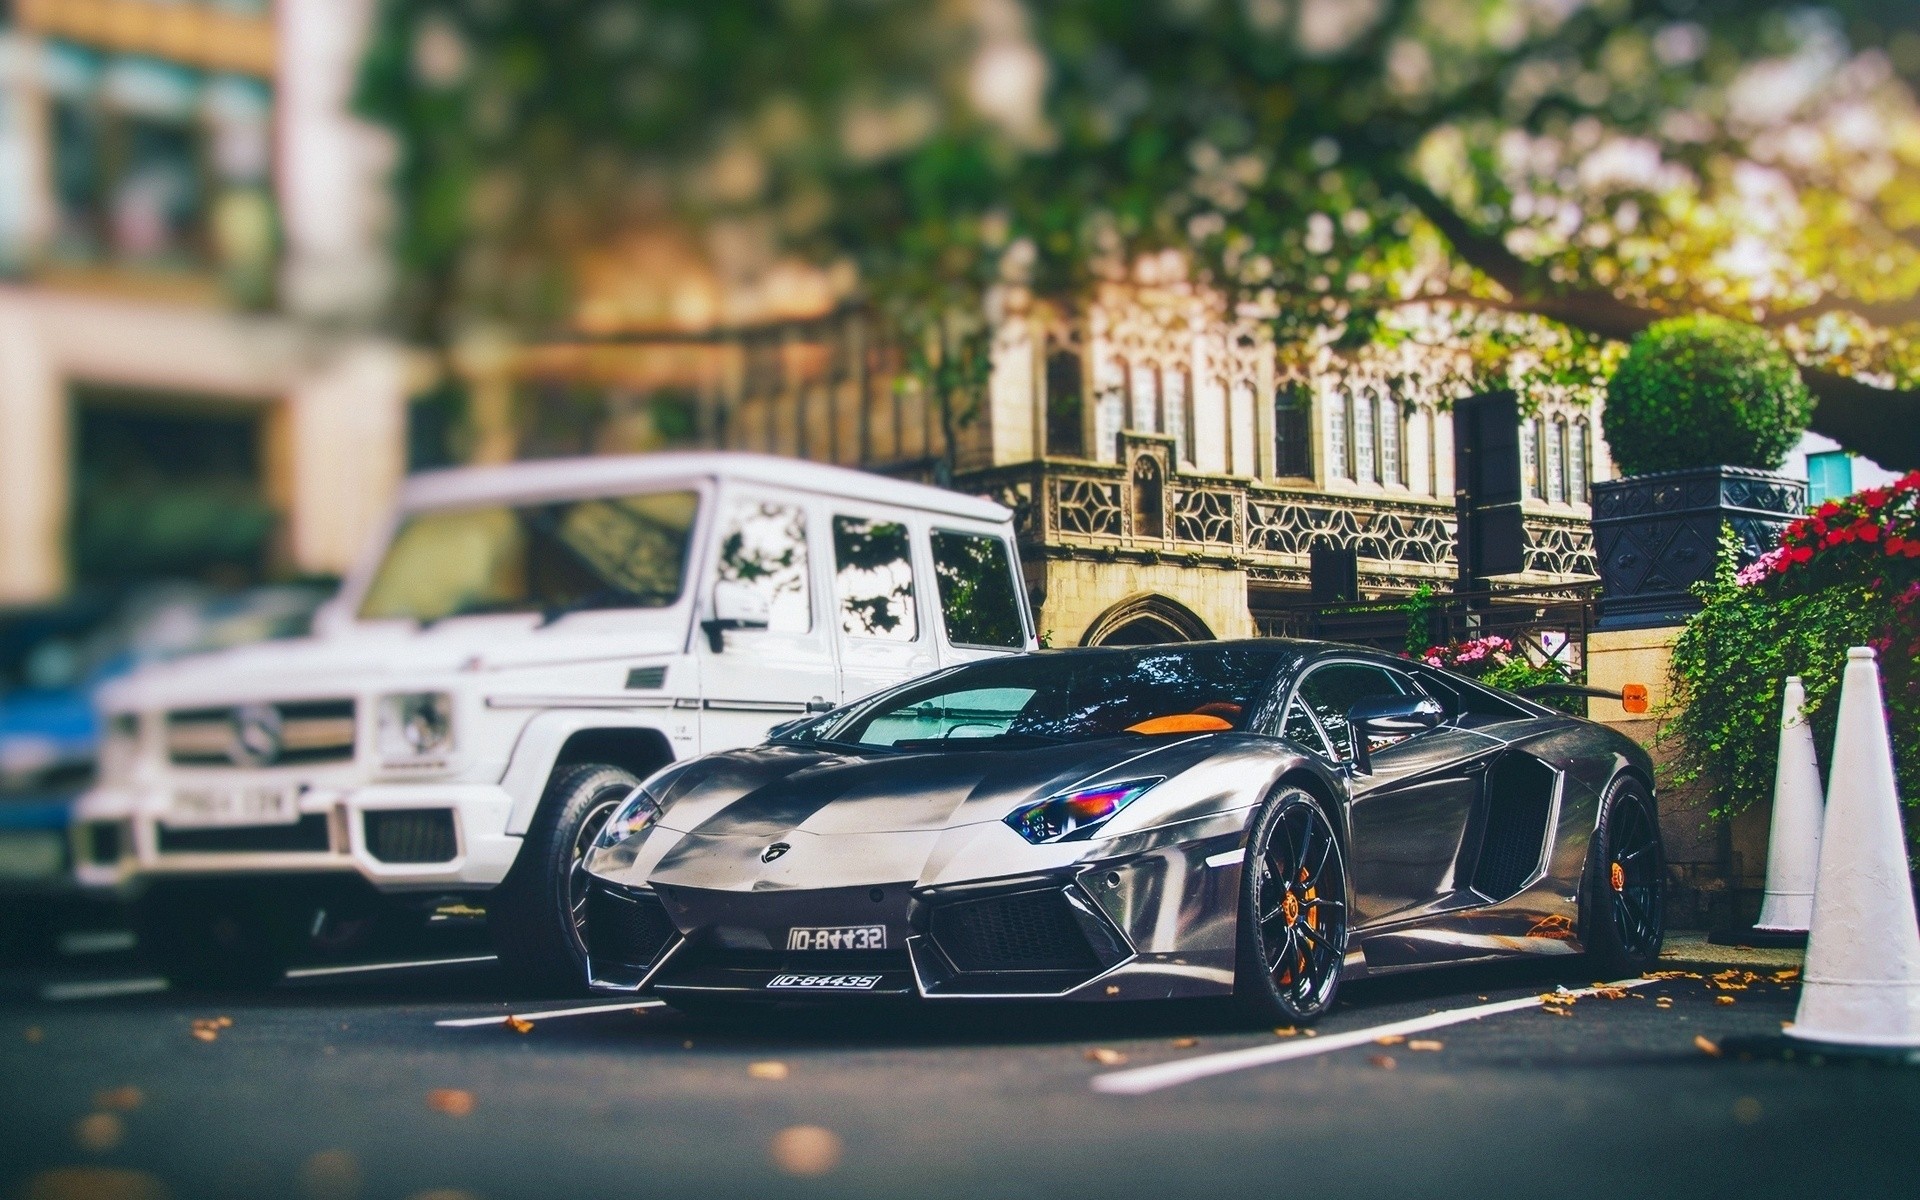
(100, 989)
(356, 968)
(1140, 1080)
(501, 1018)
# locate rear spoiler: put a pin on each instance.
(1632, 697)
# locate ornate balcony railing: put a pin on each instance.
(1154, 513)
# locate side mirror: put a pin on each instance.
(1388, 717)
(735, 606)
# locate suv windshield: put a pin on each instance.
(552, 558)
(1070, 696)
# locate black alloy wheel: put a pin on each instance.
(1293, 939)
(1625, 920)
(579, 882)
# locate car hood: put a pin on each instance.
(365, 657)
(768, 791)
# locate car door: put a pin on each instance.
(754, 678)
(1409, 813)
(879, 622)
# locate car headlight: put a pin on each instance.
(636, 814)
(1073, 816)
(413, 724)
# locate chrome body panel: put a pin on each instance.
(1466, 842)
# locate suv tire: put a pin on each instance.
(535, 913)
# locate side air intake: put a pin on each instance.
(1520, 791)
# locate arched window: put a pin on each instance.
(1363, 448)
(1143, 388)
(1530, 458)
(1556, 433)
(1149, 499)
(1064, 388)
(1580, 463)
(1179, 398)
(1293, 430)
(1339, 418)
(1393, 463)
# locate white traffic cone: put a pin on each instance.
(1861, 985)
(1793, 841)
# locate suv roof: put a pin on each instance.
(564, 477)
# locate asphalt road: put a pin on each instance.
(343, 1086)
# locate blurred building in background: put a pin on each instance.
(191, 260)
(1175, 476)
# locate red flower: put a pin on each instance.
(1828, 509)
(1875, 497)
(1800, 554)
(1867, 531)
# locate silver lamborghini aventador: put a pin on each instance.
(1259, 819)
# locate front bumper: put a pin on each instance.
(1036, 937)
(395, 836)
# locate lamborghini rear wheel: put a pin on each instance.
(1293, 911)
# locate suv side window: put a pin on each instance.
(765, 548)
(873, 572)
(978, 600)
(1330, 691)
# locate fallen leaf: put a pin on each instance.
(223, 1022)
(805, 1150)
(1424, 1044)
(767, 1070)
(1313, 1033)
(1746, 1110)
(204, 1034)
(454, 1102)
(120, 1099)
(330, 1175)
(1185, 1043)
(518, 1024)
(1106, 1057)
(1612, 993)
(1663, 1002)
(686, 1045)
(1284, 1031)
(1706, 1045)
(1483, 997)
(99, 1132)
(1113, 989)
(1787, 974)
(33, 1035)
(1723, 999)
(1391, 1039)
(1383, 1061)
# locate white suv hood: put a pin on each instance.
(367, 657)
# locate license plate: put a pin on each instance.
(851, 983)
(211, 807)
(837, 937)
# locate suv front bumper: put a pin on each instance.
(397, 836)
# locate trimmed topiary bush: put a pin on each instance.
(1704, 391)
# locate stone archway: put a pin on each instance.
(1146, 620)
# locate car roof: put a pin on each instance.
(557, 478)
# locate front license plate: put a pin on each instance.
(848, 983)
(213, 807)
(837, 937)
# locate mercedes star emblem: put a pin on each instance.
(256, 738)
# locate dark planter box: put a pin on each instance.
(1655, 536)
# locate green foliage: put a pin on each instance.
(1704, 391)
(1426, 620)
(1733, 658)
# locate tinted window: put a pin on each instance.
(978, 601)
(765, 548)
(1069, 696)
(1298, 726)
(874, 576)
(606, 552)
(1331, 691)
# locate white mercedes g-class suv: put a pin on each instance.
(523, 646)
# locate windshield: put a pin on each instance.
(553, 558)
(1065, 697)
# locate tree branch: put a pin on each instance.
(1881, 312)
(1882, 423)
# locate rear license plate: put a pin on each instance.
(848, 983)
(837, 937)
(214, 807)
